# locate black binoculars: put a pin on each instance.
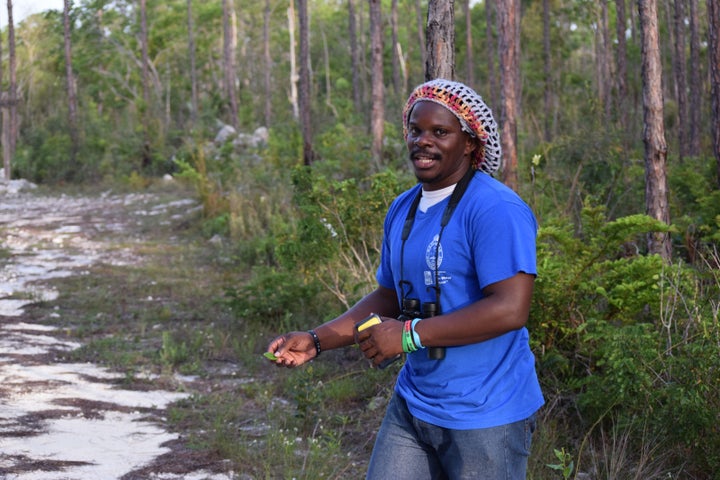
(411, 309)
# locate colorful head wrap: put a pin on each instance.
(474, 115)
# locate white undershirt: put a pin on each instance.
(433, 197)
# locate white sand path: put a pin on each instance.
(68, 421)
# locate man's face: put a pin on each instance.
(439, 149)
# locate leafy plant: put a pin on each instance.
(565, 463)
(337, 241)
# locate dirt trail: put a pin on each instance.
(65, 421)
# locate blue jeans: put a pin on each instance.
(409, 449)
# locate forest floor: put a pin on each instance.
(67, 419)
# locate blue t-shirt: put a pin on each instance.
(490, 237)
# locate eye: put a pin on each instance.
(440, 132)
(414, 131)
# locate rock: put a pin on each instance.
(225, 133)
(14, 187)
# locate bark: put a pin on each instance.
(713, 9)
(695, 88)
(193, 69)
(229, 51)
(508, 13)
(469, 54)
(421, 30)
(547, 69)
(7, 163)
(440, 38)
(679, 70)
(145, 60)
(12, 120)
(491, 52)
(396, 78)
(355, 56)
(656, 195)
(4, 125)
(304, 82)
(603, 57)
(621, 61)
(144, 57)
(669, 40)
(70, 84)
(328, 82)
(293, 62)
(268, 64)
(377, 116)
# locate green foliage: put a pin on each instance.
(343, 151)
(695, 203)
(278, 299)
(331, 251)
(565, 463)
(627, 336)
(597, 274)
(619, 335)
(173, 352)
(337, 241)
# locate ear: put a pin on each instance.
(471, 144)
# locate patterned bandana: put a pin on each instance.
(475, 117)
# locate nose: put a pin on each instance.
(421, 139)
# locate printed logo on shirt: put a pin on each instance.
(431, 251)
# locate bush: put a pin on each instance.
(624, 339)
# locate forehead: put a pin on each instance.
(428, 111)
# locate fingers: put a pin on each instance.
(292, 349)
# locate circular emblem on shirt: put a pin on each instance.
(431, 251)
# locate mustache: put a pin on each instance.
(421, 152)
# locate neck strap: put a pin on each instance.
(449, 209)
(457, 194)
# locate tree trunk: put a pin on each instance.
(12, 128)
(679, 70)
(713, 8)
(508, 12)
(440, 38)
(491, 53)
(193, 70)
(547, 69)
(293, 62)
(328, 76)
(7, 164)
(305, 109)
(621, 63)
(355, 56)
(395, 55)
(229, 51)
(70, 81)
(469, 54)
(695, 88)
(146, 153)
(656, 197)
(669, 39)
(377, 116)
(268, 64)
(420, 20)
(603, 60)
(4, 124)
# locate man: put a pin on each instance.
(463, 245)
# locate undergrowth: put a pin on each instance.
(628, 347)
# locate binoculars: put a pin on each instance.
(411, 309)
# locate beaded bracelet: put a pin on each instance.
(316, 340)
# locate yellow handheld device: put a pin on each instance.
(368, 322)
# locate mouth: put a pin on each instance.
(423, 159)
